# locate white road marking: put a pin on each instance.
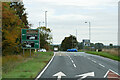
(72, 61)
(101, 65)
(109, 71)
(74, 65)
(88, 58)
(94, 61)
(106, 74)
(85, 75)
(59, 75)
(45, 67)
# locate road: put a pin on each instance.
(78, 66)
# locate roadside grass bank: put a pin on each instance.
(105, 54)
(26, 67)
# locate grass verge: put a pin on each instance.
(28, 68)
(105, 54)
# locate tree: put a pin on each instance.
(69, 42)
(111, 45)
(99, 45)
(20, 11)
(80, 45)
(45, 37)
(11, 30)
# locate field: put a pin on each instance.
(18, 66)
(105, 54)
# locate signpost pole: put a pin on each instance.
(30, 52)
(23, 51)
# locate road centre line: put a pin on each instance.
(74, 65)
(72, 61)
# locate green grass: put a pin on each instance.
(105, 54)
(31, 67)
(80, 51)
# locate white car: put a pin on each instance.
(42, 50)
(32, 38)
(28, 45)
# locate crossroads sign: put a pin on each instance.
(30, 38)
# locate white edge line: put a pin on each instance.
(45, 68)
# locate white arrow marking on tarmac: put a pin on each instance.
(59, 74)
(86, 75)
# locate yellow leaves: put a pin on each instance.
(11, 25)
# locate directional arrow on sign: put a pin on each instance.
(86, 75)
(59, 75)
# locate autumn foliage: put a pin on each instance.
(11, 30)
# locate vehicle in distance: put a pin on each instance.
(71, 50)
(32, 38)
(28, 45)
(42, 50)
(55, 49)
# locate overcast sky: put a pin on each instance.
(67, 16)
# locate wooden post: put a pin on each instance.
(23, 51)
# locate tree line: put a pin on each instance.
(71, 42)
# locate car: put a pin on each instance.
(42, 50)
(32, 38)
(28, 45)
(72, 50)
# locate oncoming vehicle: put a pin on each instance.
(32, 38)
(71, 50)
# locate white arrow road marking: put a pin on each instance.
(86, 75)
(59, 75)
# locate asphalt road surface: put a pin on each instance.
(78, 66)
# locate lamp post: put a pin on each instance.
(89, 30)
(45, 18)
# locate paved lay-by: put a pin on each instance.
(79, 65)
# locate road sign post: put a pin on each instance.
(23, 51)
